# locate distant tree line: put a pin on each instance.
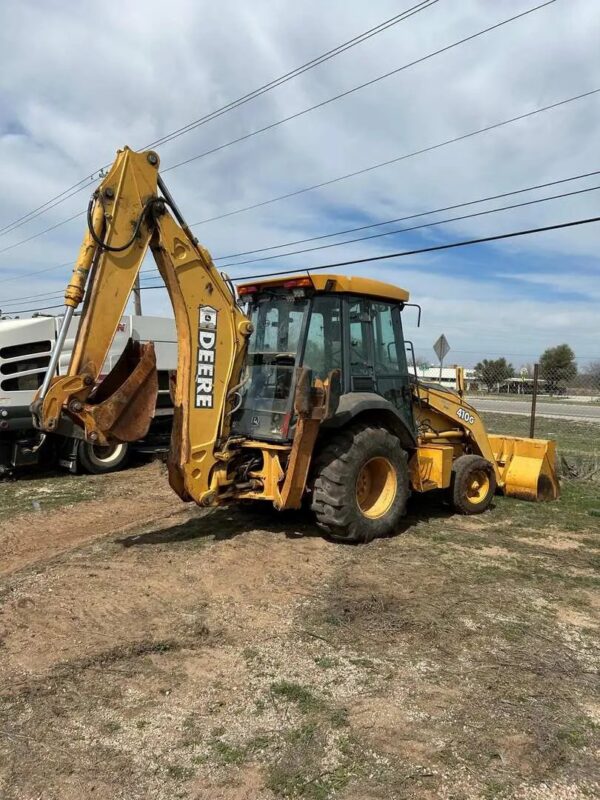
(558, 369)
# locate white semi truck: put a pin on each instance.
(25, 346)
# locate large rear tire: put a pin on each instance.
(473, 484)
(99, 460)
(360, 484)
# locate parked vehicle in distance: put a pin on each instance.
(25, 346)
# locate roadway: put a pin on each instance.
(576, 412)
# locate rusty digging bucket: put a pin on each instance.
(527, 467)
(123, 404)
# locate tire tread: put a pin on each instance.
(333, 470)
(460, 470)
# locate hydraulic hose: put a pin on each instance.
(102, 245)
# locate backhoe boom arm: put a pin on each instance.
(130, 212)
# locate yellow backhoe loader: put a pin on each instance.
(297, 392)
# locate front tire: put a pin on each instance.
(360, 484)
(473, 484)
(99, 460)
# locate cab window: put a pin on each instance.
(360, 330)
(277, 322)
(386, 351)
(323, 351)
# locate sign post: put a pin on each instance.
(441, 349)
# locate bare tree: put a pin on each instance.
(593, 370)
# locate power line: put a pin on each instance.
(410, 216)
(379, 165)
(424, 225)
(37, 272)
(361, 171)
(37, 297)
(403, 253)
(341, 48)
(454, 206)
(41, 233)
(50, 204)
(412, 228)
(422, 6)
(43, 295)
(41, 308)
(357, 88)
(432, 249)
(400, 254)
(403, 157)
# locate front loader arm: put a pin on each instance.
(524, 468)
(127, 216)
(445, 414)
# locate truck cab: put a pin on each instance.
(25, 347)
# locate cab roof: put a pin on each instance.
(332, 283)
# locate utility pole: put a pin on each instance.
(137, 296)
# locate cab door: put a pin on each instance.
(377, 357)
(360, 345)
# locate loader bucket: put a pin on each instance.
(123, 405)
(526, 467)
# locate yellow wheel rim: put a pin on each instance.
(376, 486)
(478, 486)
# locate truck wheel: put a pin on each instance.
(360, 484)
(473, 484)
(97, 459)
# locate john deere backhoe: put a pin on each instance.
(298, 391)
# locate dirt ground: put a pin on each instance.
(150, 649)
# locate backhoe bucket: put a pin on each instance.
(123, 405)
(527, 467)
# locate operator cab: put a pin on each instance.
(322, 323)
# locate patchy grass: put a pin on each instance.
(326, 662)
(572, 512)
(314, 761)
(493, 661)
(578, 734)
(43, 494)
(227, 753)
(286, 780)
(294, 693)
(179, 772)
(581, 438)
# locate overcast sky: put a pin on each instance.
(79, 80)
